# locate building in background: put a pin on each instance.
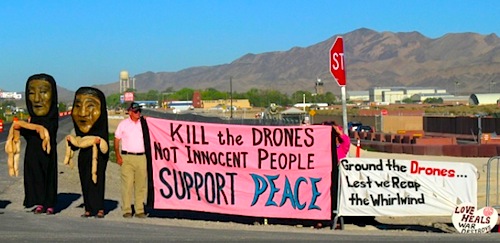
(358, 96)
(484, 99)
(392, 95)
(10, 95)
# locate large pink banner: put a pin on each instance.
(261, 171)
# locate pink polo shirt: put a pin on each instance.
(130, 133)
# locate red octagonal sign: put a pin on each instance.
(337, 61)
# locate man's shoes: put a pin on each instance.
(127, 215)
(141, 215)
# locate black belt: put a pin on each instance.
(125, 152)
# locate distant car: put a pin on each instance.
(364, 128)
(223, 108)
(353, 126)
(218, 107)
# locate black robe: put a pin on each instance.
(40, 168)
(93, 193)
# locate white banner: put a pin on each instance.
(389, 187)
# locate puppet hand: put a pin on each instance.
(46, 140)
(94, 163)
(43, 133)
(103, 146)
(68, 158)
(13, 149)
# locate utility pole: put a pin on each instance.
(231, 96)
(304, 101)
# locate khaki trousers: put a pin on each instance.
(134, 182)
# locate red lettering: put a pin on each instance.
(415, 168)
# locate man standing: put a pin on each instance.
(132, 159)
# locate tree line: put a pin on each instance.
(256, 97)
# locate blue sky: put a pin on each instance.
(89, 42)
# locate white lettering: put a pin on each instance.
(336, 63)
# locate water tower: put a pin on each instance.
(319, 87)
(125, 81)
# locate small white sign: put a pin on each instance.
(468, 220)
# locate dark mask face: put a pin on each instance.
(40, 96)
(86, 111)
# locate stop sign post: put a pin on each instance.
(337, 61)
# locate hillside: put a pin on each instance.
(462, 63)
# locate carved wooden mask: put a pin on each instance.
(86, 111)
(40, 95)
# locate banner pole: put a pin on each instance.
(334, 188)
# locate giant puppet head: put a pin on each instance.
(89, 111)
(41, 95)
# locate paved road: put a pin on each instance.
(20, 227)
(25, 227)
(3, 135)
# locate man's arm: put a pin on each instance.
(119, 160)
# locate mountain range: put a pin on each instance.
(462, 63)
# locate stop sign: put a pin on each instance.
(337, 61)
